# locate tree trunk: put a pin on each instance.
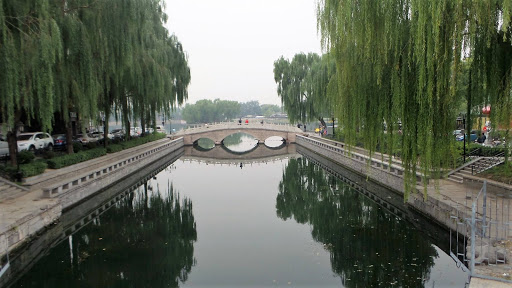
(69, 137)
(143, 121)
(13, 146)
(322, 121)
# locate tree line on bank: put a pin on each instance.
(208, 111)
(411, 62)
(89, 58)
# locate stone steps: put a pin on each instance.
(9, 190)
(456, 177)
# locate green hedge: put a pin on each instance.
(71, 159)
(142, 140)
(113, 148)
(32, 169)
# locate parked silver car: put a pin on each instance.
(34, 141)
(85, 138)
(4, 146)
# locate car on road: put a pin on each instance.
(135, 131)
(84, 139)
(461, 137)
(59, 141)
(34, 141)
(4, 146)
(160, 129)
(117, 134)
(100, 135)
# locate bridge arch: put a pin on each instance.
(220, 131)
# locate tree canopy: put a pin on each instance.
(207, 111)
(400, 60)
(304, 86)
(93, 58)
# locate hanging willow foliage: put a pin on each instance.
(30, 45)
(304, 86)
(88, 57)
(399, 60)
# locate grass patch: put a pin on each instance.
(501, 173)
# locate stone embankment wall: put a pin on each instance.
(76, 188)
(381, 172)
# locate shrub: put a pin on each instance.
(25, 157)
(71, 159)
(32, 169)
(10, 172)
(77, 147)
(91, 145)
(48, 154)
(114, 148)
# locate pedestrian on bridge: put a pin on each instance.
(246, 121)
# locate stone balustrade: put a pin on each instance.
(390, 175)
(62, 187)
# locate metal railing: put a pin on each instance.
(489, 163)
(483, 235)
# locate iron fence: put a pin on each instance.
(484, 235)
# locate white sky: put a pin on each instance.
(232, 44)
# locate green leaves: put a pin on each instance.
(303, 85)
(400, 61)
(87, 56)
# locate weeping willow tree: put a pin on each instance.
(88, 57)
(303, 85)
(399, 60)
(30, 44)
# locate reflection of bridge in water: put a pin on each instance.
(260, 154)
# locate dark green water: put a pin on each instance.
(283, 223)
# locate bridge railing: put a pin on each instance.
(57, 189)
(233, 125)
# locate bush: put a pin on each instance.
(91, 145)
(113, 148)
(25, 157)
(32, 169)
(71, 159)
(77, 147)
(48, 154)
(9, 172)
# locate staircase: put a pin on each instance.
(475, 166)
(9, 190)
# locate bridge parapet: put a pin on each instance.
(218, 131)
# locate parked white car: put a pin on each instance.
(4, 146)
(34, 141)
(160, 129)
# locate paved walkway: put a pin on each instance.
(28, 205)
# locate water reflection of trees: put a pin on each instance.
(146, 240)
(368, 246)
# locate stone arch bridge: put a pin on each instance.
(219, 131)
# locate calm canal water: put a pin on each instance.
(281, 222)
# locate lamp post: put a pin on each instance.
(464, 138)
(333, 127)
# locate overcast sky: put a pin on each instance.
(232, 44)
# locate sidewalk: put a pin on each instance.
(25, 212)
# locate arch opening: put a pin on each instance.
(275, 142)
(204, 144)
(239, 143)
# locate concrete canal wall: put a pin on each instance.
(389, 176)
(51, 195)
(78, 216)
